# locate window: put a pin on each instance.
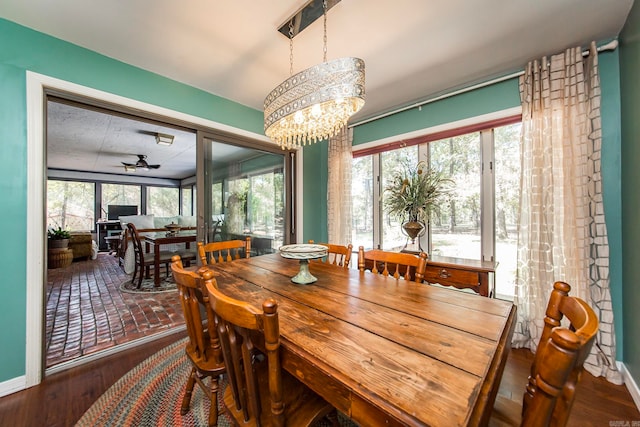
(163, 201)
(119, 194)
(479, 221)
(507, 195)
(390, 161)
(362, 186)
(187, 201)
(217, 197)
(455, 231)
(71, 205)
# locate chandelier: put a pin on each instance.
(314, 104)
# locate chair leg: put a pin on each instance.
(186, 400)
(213, 407)
(140, 279)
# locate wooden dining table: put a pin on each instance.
(382, 351)
(160, 238)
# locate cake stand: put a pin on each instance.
(303, 252)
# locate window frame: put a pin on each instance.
(487, 178)
(98, 208)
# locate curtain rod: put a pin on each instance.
(612, 45)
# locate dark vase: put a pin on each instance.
(413, 229)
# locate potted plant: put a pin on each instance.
(58, 238)
(414, 194)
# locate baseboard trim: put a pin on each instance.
(631, 384)
(109, 351)
(13, 385)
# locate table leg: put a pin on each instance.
(156, 264)
(484, 284)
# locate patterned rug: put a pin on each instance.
(148, 287)
(151, 394)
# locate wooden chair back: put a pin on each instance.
(225, 251)
(558, 364)
(238, 322)
(203, 347)
(260, 392)
(396, 264)
(137, 244)
(339, 255)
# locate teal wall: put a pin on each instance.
(489, 99)
(22, 49)
(630, 177)
(315, 166)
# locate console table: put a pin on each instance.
(462, 273)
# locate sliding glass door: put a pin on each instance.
(247, 193)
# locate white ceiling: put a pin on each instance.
(413, 49)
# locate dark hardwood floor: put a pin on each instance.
(62, 398)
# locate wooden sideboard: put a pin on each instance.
(462, 273)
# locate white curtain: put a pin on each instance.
(562, 232)
(339, 188)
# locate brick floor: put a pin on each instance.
(86, 312)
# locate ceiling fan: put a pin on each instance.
(140, 164)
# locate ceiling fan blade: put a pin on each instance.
(128, 164)
(153, 166)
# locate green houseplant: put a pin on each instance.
(58, 238)
(414, 194)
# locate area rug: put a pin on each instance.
(148, 287)
(151, 394)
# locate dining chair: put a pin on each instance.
(224, 251)
(203, 347)
(396, 264)
(143, 261)
(260, 392)
(336, 254)
(557, 366)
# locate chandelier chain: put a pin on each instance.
(314, 104)
(291, 48)
(324, 12)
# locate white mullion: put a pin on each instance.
(425, 239)
(377, 201)
(487, 196)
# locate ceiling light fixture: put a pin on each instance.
(129, 168)
(164, 139)
(316, 103)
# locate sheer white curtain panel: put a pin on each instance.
(339, 188)
(562, 231)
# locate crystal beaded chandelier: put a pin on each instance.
(316, 103)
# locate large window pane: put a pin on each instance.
(456, 230)
(362, 202)
(236, 206)
(392, 163)
(245, 195)
(217, 197)
(119, 194)
(187, 201)
(507, 195)
(71, 205)
(266, 202)
(163, 201)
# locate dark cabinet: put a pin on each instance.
(106, 229)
